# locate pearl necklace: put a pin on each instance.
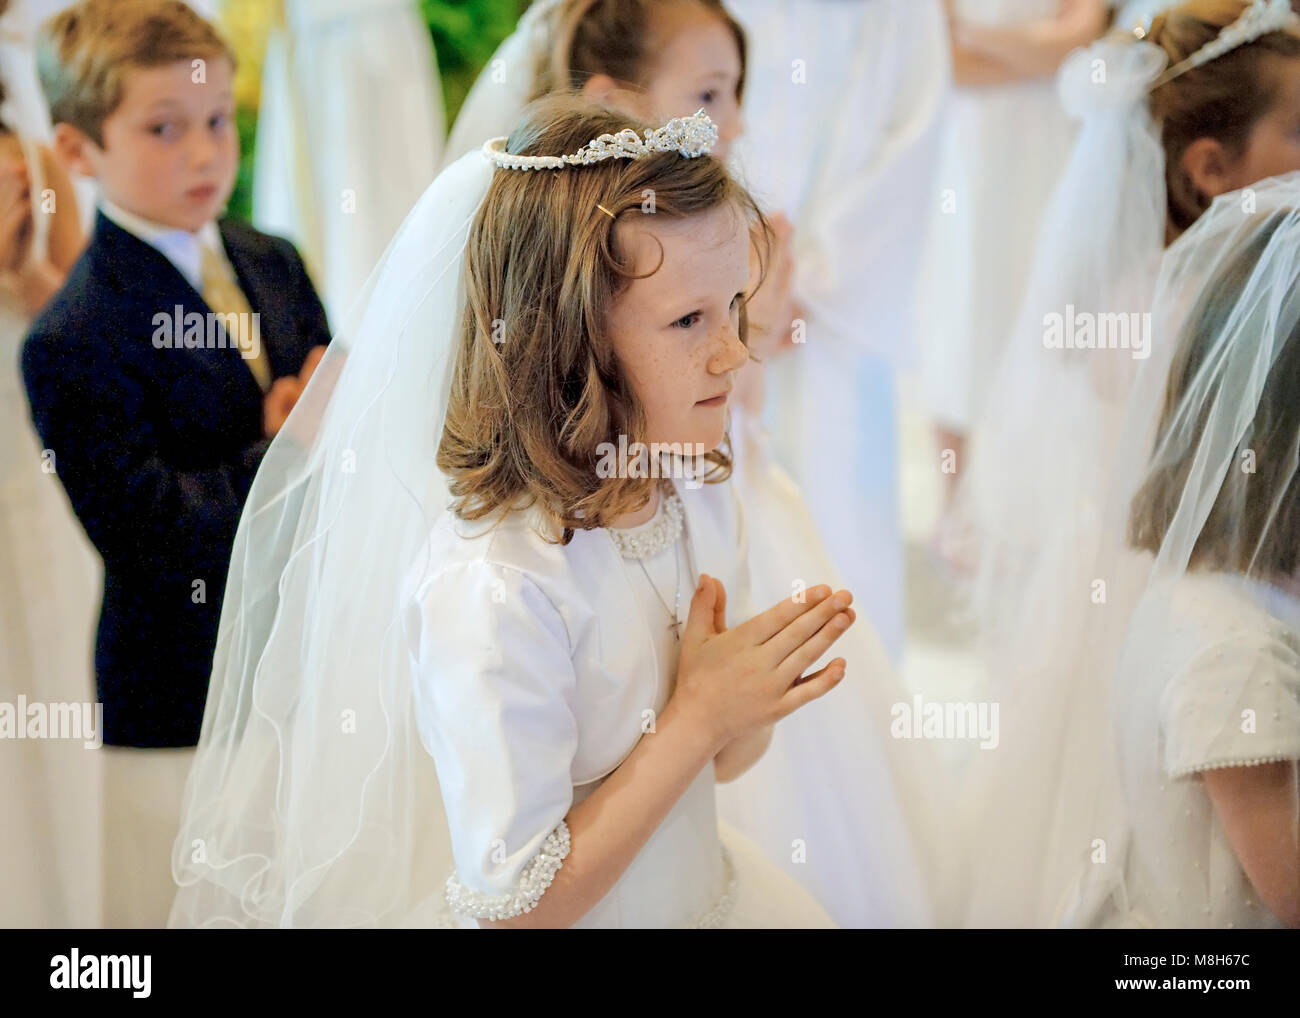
(649, 540)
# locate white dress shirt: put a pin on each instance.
(180, 247)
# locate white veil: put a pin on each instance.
(312, 801)
(1202, 625)
(1193, 629)
(1052, 414)
(1035, 486)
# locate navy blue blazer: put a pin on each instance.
(157, 449)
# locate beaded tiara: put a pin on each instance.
(690, 136)
(1259, 18)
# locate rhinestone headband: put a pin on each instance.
(691, 136)
(1260, 18)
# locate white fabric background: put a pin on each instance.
(351, 116)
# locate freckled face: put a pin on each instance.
(676, 332)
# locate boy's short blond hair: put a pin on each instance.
(84, 54)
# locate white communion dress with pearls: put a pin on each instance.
(554, 661)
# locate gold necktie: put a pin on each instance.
(222, 294)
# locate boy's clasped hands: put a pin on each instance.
(284, 393)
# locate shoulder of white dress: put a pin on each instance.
(570, 579)
(1214, 604)
(510, 542)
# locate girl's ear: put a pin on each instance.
(72, 146)
(603, 89)
(1209, 167)
(599, 87)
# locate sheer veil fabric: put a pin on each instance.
(1190, 661)
(1034, 490)
(1053, 413)
(312, 801)
(1198, 643)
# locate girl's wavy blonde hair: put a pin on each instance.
(537, 390)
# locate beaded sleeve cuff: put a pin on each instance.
(533, 882)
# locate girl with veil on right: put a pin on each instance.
(1213, 655)
(1199, 101)
(1204, 826)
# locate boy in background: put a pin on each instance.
(157, 377)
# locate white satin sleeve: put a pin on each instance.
(495, 690)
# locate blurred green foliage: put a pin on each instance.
(465, 35)
(241, 199)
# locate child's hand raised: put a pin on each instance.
(278, 402)
(15, 214)
(310, 362)
(285, 393)
(732, 681)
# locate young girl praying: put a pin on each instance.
(864, 859)
(574, 653)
